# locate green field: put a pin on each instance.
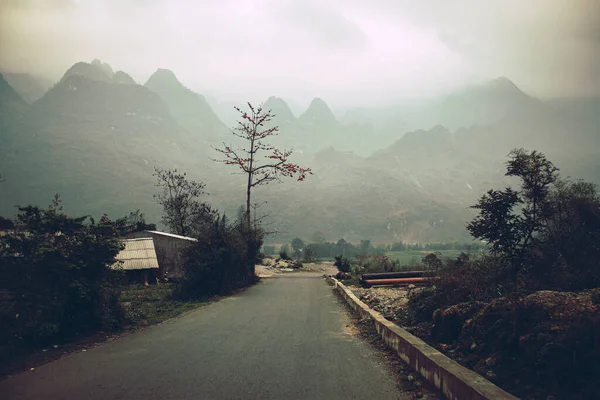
(414, 257)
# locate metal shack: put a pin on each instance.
(138, 260)
(170, 251)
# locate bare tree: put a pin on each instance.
(260, 161)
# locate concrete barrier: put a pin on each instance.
(452, 379)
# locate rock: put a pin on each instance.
(343, 275)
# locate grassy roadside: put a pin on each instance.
(150, 305)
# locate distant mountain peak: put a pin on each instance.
(163, 78)
(107, 69)
(94, 71)
(123, 78)
(279, 107)
(503, 82)
(318, 110)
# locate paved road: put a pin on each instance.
(281, 339)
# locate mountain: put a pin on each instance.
(95, 142)
(123, 78)
(94, 72)
(189, 109)
(12, 108)
(283, 114)
(30, 88)
(318, 113)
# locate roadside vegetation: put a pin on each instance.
(524, 314)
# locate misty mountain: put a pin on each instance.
(91, 71)
(30, 88)
(123, 78)
(281, 110)
(95, 142)
(318, 113)
(189, 109)
(12, 107)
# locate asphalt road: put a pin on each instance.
(285, 338)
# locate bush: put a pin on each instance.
(342, 263)
(58, 272)
(459, 281)
(377, 263)
(222, 260)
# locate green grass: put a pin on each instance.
(148, 305)
(414, 257)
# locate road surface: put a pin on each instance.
(285, 338)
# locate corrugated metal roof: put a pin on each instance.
(173, 235)
(137, 254)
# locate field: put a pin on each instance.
(414, 257)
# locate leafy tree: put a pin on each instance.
(59, 269)
(341, 246)
(216, 264)
(342, 263)
(511, 220)
(272, 166)
(365, 246)
(569, 251)
(134, 222)
(310, 254)
(183, 213)
(432, 261)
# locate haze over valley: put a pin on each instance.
(390, 162)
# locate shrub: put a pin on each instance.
(377, 263)
(58, 270)
(342, 263)
(222, 260)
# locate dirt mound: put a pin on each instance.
(556, 349)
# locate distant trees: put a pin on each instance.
(134, 222)
(183, 212)
(297, 246)
(260, 161)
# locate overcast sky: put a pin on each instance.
(348, 52)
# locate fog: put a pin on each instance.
(348, 52)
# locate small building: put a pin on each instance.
(170, 251)
(138, 260)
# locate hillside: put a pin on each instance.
(95, 142)
(94, 138)
(12, 107)
(30, 88)
(188, 108)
